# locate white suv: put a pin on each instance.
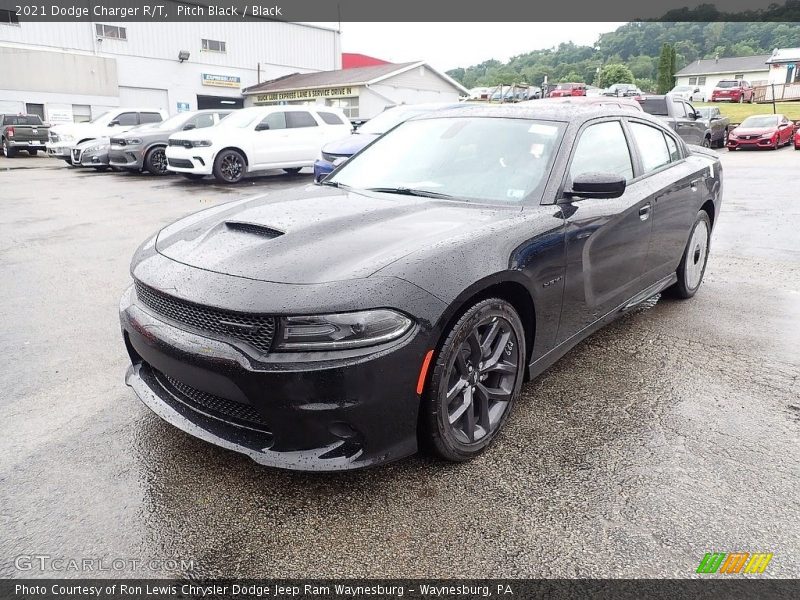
(64, 137)
(256, 139)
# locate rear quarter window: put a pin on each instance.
(296, 119)
(330, 118)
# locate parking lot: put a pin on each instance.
(671, 433)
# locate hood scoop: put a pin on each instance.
(253, 228)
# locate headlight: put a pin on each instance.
(201, 143)
(341, 331)
(131, 141)
(67, 137)
(92, 149)
(731, 135)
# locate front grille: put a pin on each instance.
(54, 137)
(180, 163)
(76, 155)
(211, 404)
(117, 141)
(184, 143)
(253, 329)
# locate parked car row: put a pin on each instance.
(726, 90)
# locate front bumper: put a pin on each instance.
(59, 150)
(126, 157)
(190, 160)
(322, 168)
(97, 158)
(754, 143)
(317, 413)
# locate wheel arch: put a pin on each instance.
(152, 147)
(709, 208)
(237, 149)
(509, 286)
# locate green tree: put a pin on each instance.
(613, 73)
(666, 68)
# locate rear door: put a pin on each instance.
(675, 189)
(607, 239)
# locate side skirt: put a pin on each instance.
(538, 366)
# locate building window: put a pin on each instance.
(213, 46)
(692, 80)
(8, 17)
(739, 76)
(701, 80)
(348, 105)
(81, 113)
(110, 31)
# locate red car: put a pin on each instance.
(568, 89)
(733, 90)
(796, 137)
(762, 131)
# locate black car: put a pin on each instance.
(402, 302)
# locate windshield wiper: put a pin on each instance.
(410, 192)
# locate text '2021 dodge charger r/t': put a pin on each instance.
(401, 303)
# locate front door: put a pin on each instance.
(606, 239)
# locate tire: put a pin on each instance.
(33, 152)
(293, 170)
(8, 151)
(193, 176)
(723, 141)
(155, 161)
(731, 149)
(694, 260)
(101, 168)
(481, 397)
(68, 161)
(229, 166)
(707, 142)
(752, 98)
(741, 98)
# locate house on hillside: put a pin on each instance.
(784, 65)
(705, 73)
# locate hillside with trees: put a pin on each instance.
(639, 46)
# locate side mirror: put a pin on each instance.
(262, 126)
(113, 123)
(189, 126)
(597, 185)
(716, 118)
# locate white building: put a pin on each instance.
(69, 71)
(361, 92)
(706, 73)
(784, 66)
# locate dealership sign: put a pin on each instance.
(221, 80)
(310, 94)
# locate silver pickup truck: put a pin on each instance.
(680, 116)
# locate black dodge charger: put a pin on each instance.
(402, 303)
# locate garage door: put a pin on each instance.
(143, 97)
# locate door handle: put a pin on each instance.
(644, 212)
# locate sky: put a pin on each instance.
(448, 45)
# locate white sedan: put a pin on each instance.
(256, 139)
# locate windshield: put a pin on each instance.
(388, 119)
(241, 118)
(681, 88)
(100, 117)
(762, 121)
(479, 159)
(566, 86)
(728, 84)
(174, 122)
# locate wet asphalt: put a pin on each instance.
(673, 432)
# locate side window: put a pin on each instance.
(204, 120)
(149, 117)
(680, 108)
(276, 120)
(128, 118)
(331, 118)
(652, 146)
(672, 147)
(300, 119)
(602, 148)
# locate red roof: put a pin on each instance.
(352, 60)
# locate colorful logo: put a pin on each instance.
(733, 563)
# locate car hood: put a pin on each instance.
(754, 130)
(349, 145)
(317, 234)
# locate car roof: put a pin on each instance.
(540, 109)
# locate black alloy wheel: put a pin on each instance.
(156, 161)
(229, 166)
(476, 379)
